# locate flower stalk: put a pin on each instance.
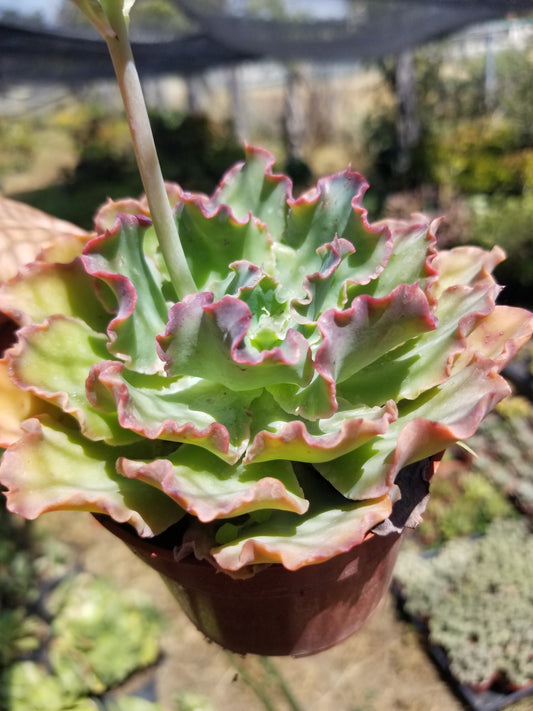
(119, 47)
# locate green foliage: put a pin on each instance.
(92, 635)
(448, 89)
(193, 150)
(506, 221)
(17, 145)
(17, 573)
(99, 636)
(382, 152)
(485, 156)
(515, 93)
(504, 445)
(476, 598)
(20, 634)
(26, 685)
(104, 144)
(466, 146)
(461, 503)
(480, 155)
(446, 93)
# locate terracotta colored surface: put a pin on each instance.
(277, 612)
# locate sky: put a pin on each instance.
(47, 8)
(331, 10)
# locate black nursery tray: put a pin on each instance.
(488, 700)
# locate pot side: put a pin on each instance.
(277, 611)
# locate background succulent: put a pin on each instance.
(475, 596)
(462, 503)
(503, 445)
(65, 635)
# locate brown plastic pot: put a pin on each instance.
(277, 611)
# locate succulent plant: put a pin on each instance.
(503, 445)
(17, 568)
(99, 638)
(463, 502)
(92, 640)
(26, 685)
(255, 366)
(20, 634)
(475, 597)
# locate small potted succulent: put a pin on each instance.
(251, 389)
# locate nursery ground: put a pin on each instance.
(383, 667)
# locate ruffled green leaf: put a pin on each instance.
(426, 360)
(330, 214)
(53, 468)
(311, 402)
(438, 418)
(118, 260)
(330, 527)
(52, 361)
(322, 440)
(355, 337)
(215, 239)
(43, 289)
(208, 488)
(269, 317)
(499, 336)
(324, 213)
(206, 339)
(252, 188)
(16, 405)
(325, 288)
(411, 260)
(464, 265)
(192, 410)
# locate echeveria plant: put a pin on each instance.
(257, 365)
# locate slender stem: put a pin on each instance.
(273, 671)
(146, 154)
(248, 679)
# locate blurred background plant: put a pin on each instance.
(195, 151)
(475, 597)
(18, 146)
(67, 638)
(462, 503)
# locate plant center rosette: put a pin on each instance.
(270, 411)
